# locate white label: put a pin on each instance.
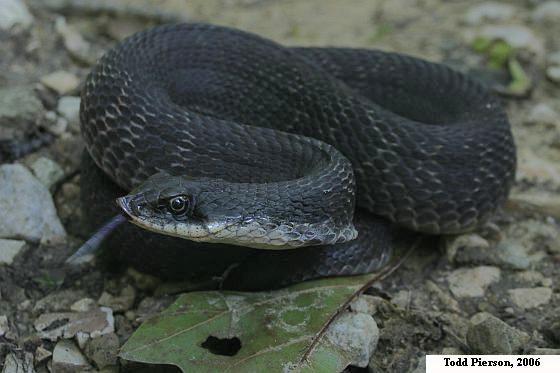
(493, 363)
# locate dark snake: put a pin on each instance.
(226, 139)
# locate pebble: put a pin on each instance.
(553, 67)
(68, 358)
(83, 305)
(74, 43)
(47, 171)
(9, 249)
(94, 323)
(42, 354)
(4, 326)
(488, 334)
(69, 108)
(444, 298)
(58, 301)
(62, 82)
(357, 334)
(472, 282)
(510, 254)
(119, 303)
(14, 12)
(489, 11)
(20, 111)
(32, 215)
(547, 204)
(103, 350)
(518, 36)
(466, 248)
(14, 363)
(542, 114)
(526, 298)
(548, 11)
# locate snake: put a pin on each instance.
(221, 146)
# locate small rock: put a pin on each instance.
(83, 305)
(545, 351)
(62, 82)
(58, 301)
(123, 302)
(518, 36)
(367, 304)
(68, 358)
(402, 299)
(69, 108)
(20, 111)
(553, 73)
(14, 12)
(489, 11)
(489, 335)
(96, 323)
(421, 366)
(82, 339)
(15, 363)
(542, 114)
(472, 282)
(526, 298)
(4, 326)
(73, 42)
(548, 11)
(33, 215)
(42, 354)
(9, 249)
(103, 350)
(444, 298)
(466, 248)
(510, 254)
(544, 203)
(357, 334)
(47, 171)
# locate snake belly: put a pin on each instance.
(356, 138)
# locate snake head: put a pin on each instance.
(217, 211)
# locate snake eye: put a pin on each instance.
(179, 204)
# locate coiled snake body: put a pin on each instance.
(224, 137)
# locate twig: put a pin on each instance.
(383, 274)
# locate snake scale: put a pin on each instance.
(232, 153)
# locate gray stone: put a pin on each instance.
(15, 363)
(526, 298)
(47, 171)
(9, 249)
(32, 214)
(121, 302)
(67, 358)
(542, 114)
(94, 323)
(58, 301)
(69, 108)
(42, 354)
(548, 11)
(357, 334)
(62, 82)
(421, 366)
(472, 282)
(103, 350)
(20, 111)
(553, 73)
(467, 248)
(14, 12)
(83, 305)
(73, 42)
(4, 326)
(489, 11)
(510, 254)
(488, 334)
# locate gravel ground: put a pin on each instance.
(492, 291)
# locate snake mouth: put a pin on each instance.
(124, 204)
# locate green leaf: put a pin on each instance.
(274, 328)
